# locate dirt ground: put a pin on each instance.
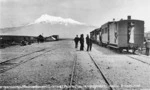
(51, 64)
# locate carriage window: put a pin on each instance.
(105, 30)
(102, 31)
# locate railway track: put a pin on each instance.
(72, 81)
(14, 62)
(135, 57)
(22, 56)
(105, 79)
(138, 60)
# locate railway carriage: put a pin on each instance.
(95, 35)
(98, 36)
(123, 34)
(104, 34)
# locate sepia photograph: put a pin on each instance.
(74, 44)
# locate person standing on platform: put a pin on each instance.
(76, 40)
(89, 43)
(147, 46)
(82, 42)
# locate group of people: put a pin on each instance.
(81, 40)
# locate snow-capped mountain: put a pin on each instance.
(55, 20)
(50, 25)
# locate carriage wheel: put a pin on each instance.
(120, 50)
(133, 50)
(102, 44)
(127, 49)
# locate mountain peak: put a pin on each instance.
(45, 18)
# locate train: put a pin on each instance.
(121, 35)
(9, 40)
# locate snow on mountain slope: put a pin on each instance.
(50, 25)
(48, 29)
(55, 20)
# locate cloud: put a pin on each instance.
(95, 12)
(9, 0)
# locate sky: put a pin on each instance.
(15, 13)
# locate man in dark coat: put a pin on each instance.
(82, 42)
(147, 46)
(76, 40)
(89, 43)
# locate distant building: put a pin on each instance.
(50, 38)
(56, 37)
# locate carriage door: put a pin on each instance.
(108, 34)
(131, 29)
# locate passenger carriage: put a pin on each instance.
(95, 35)
(123, 34)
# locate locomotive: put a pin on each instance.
(124, 34)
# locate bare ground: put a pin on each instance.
(51, 64)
